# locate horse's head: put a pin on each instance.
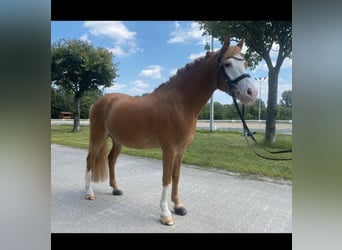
(233, 67)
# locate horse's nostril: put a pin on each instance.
(249, 91)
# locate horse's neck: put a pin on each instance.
(199, 84)
(191, 89)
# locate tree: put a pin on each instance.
(205, 112)
(284, 113)
(218, 115)
(88, 99)
(286, 99)
(79, 67)
(61, 100)
(260, 37)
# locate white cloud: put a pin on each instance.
(194, 56)
(117, 87)
(287, 63)
(190, 33)
(141, 85)
(85, 38)
(274, 54)
(124, 40)
(262, 66)
(282, 86)
(153, 71)
(184, 34)
(173, 72)
(139, 88)
(113, 29)
(117, 51)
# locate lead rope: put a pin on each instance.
(247, 133)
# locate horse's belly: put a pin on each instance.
(129, 137)
(139, 142)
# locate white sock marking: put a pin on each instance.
(163, 202)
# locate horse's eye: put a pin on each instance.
(227, 64)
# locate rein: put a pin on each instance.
(246, 132)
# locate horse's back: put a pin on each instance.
(102, 106)
(124, 118)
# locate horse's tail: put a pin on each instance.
(100, 169)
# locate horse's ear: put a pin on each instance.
(226, 43)
(240, 44)
(224, 47)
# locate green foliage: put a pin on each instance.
(259, 37)
(284, 113)
(205, 112)
(78, 66)
(87, 100)
(286, 99)
(62, 100)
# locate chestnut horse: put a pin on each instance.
(164, 119)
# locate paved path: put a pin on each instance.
(217, 202)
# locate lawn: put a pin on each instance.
(218, 149)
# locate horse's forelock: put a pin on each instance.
(231, 51)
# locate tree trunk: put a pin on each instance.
(77, 114)
(270, 133)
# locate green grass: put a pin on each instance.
(218, 149)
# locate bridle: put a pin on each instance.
(230, 82)
(246, 132)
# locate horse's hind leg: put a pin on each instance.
(90, 193)
(96, 152)
(112, 157)
(90, 162)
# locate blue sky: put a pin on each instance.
(149, 52)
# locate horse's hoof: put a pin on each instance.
(168, 221)
(180, 211)
(117, 192)
(90, 197)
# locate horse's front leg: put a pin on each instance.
(178, 207)
(168, 160)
